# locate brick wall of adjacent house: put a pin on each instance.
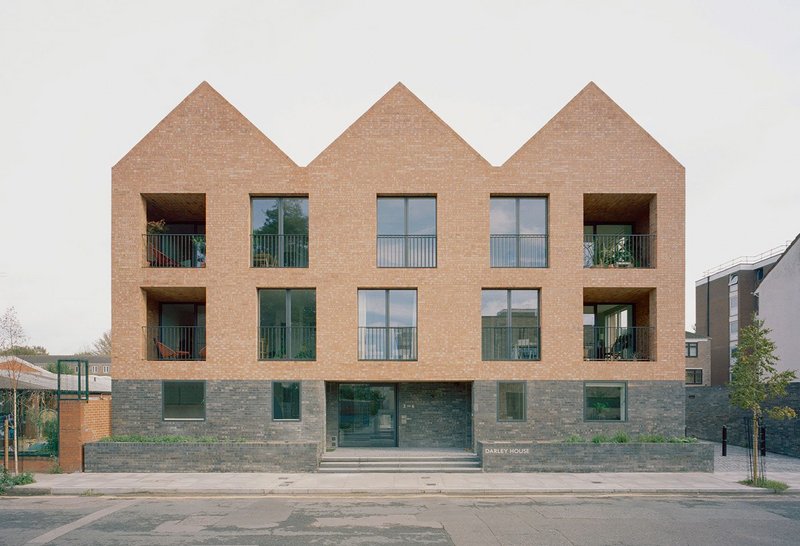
(81, 422)
(702, 361)
(398, 147)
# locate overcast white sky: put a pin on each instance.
(717, 83)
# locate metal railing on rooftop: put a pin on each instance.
(748, 260)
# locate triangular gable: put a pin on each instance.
(589, 126)
(202, 123)
(399, 121)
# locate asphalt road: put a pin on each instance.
(772, 520)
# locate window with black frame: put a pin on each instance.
(287, 324)
(694, 376)
(406, 232)
(387, 324)
(286, 401)
(280, 231)
(510, 325)
(184, 400)
(518, 231)
(511, 401)
(604, 401)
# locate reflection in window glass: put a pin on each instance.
(286, 401)
(184, 399)
(511, 401)
(518, 231)
(604, 401)
(510, 325)
(387, 324)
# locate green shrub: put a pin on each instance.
(599, 439)
(764, 483)
(574, 439)
(7, 481)
(163, 439)
(621, 437)
(652, 439)
(682, 440)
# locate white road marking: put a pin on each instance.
(77, 524)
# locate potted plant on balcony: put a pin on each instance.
(155, 227)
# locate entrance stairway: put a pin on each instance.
(399, 460)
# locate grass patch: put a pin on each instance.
(682, 440)
(775, 485)
(600, 439)
(7, 481)
(652, 439)
(574, 439)
(621, 437)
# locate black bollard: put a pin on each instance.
(762, 444)
(724, 441)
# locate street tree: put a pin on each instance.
(756, 382)
(12, 335)
(101, 347)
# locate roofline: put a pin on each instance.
(739, 266)
(785, 252)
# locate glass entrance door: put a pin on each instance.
(367, 415)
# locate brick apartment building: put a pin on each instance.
(399, 290)
(725, 301)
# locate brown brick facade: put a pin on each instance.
(590, 152)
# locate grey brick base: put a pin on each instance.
(555, 411)
(540, 457)
(222, 457)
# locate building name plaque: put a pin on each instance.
(507, 450)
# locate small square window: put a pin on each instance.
(694, 376)
(286, 401)
(511, 401)
(106, 369)
(92, 369)
(691, 350)
(184, 400)
(604, 401)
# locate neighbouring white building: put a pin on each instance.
(779, 306)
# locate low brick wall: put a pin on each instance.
(632, 457)
(219, 457)
(709, 408)
(29, 463)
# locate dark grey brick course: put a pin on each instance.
(221, 457)
(553, 457)
(434, 415)
(709, 408)
(555, 411)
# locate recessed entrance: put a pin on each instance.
(367, 415)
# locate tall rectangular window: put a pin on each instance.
(510, 325)
(691, 350)
(387, 324)
(287, 324)
(286, 401)
(280, 231)
(518, 231)
(604, 401)
(184, 400)
(511, 401)
(406, 232)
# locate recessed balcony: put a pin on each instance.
(618, 231)
(176, 324)
(175, 231)
(617, 324)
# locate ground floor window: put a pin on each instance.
(286, 401)
(694, 376)
(511, 401)
(604, 401)
(184, 400)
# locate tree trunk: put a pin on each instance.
(16, 433)
(755, 447)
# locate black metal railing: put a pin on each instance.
(518, 250)
(175, 342)
(287, 343)
(406, 250)
(175, 250)
(382, 343)
(510, 343)
(275, 250)
(618, 343)
(618, 250)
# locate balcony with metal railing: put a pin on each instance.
(387, 343)
(622, 250)
(518, 250)
(175, 342)
(279, 250)
(511, 343)
(287, 343)
(175, 250)
(406, 250)
(631, 343)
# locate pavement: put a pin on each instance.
(729, 471)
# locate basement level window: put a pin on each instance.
(184, 400)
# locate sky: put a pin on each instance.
(716, 83)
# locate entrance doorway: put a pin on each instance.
(367, 415)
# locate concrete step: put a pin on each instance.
(417, 464)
